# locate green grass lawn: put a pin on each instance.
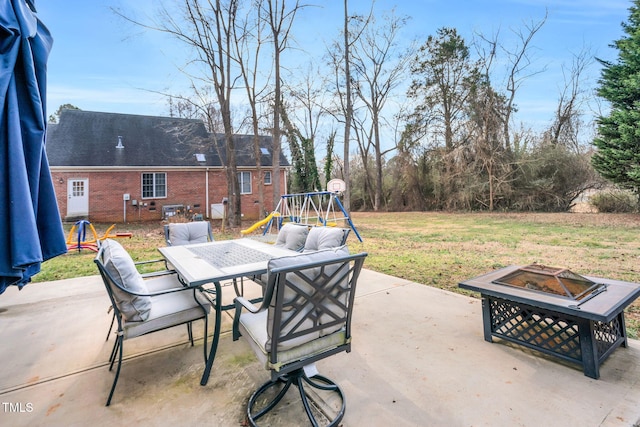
(442, 249)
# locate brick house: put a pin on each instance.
(109, 167)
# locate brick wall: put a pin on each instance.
(186, 188)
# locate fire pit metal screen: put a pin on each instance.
(550, 280)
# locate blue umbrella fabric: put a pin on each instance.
(30, 226)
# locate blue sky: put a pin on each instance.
(101, 63)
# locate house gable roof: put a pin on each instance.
(89, 138)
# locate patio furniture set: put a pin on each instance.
(307, 279)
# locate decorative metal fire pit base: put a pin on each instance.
(582, 341)
(584, 332)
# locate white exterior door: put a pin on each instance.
(78, 197)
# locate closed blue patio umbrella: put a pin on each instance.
(30, 226)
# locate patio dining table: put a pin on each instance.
(211, 263)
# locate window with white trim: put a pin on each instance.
(77, 188)
(267, 178)
(154, 185)
(244, 178)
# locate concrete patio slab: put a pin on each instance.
(418, 359)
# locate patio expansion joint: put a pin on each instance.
(90, 368)
(384, 290)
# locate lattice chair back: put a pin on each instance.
(305, 317)
(310, 304)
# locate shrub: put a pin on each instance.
(614, 201)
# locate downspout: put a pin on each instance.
(284, 172)
(206, 194)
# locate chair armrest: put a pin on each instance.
(180, 287)
(161, 292)
(158, 273)
(151, 261)
(240, 303)
(166, 291)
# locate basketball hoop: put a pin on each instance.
(336, 186)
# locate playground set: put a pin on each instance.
(321, 208)
(315, 209)
(79, 230)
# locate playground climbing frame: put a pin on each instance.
(320, 208)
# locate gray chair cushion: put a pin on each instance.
(168, 309)
(123, 270)
(320, 238)
(189, 232)
(292, 237)
(254, 326)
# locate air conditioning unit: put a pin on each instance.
(171, 210)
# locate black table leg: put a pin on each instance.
(216, 335)
(588, 349)
(486, 318)
(623, 328)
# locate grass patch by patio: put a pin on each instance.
(442, 249)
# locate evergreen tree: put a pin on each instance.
(305, 176)
(55, 117)
(618, 140)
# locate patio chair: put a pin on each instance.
(320, 238)
(305, 317)
(145, 306)
(152, 286)
(185, 233)
(292, 236)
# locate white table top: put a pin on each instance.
(203, 263)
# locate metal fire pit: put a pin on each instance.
(555, 311)
(551, 280)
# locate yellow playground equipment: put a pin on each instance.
(320, 208)
(79, 229)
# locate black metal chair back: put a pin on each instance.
(305, 317)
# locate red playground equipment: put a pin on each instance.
(79, 230)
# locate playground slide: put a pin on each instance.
(257, 225)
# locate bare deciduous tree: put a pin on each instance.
(520, 61)
(566, 123)
(206, 27)
(339, 56)
(279, 21)
(378, 68)
(248, 36)
(348, 111)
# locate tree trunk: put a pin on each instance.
(346, 202)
